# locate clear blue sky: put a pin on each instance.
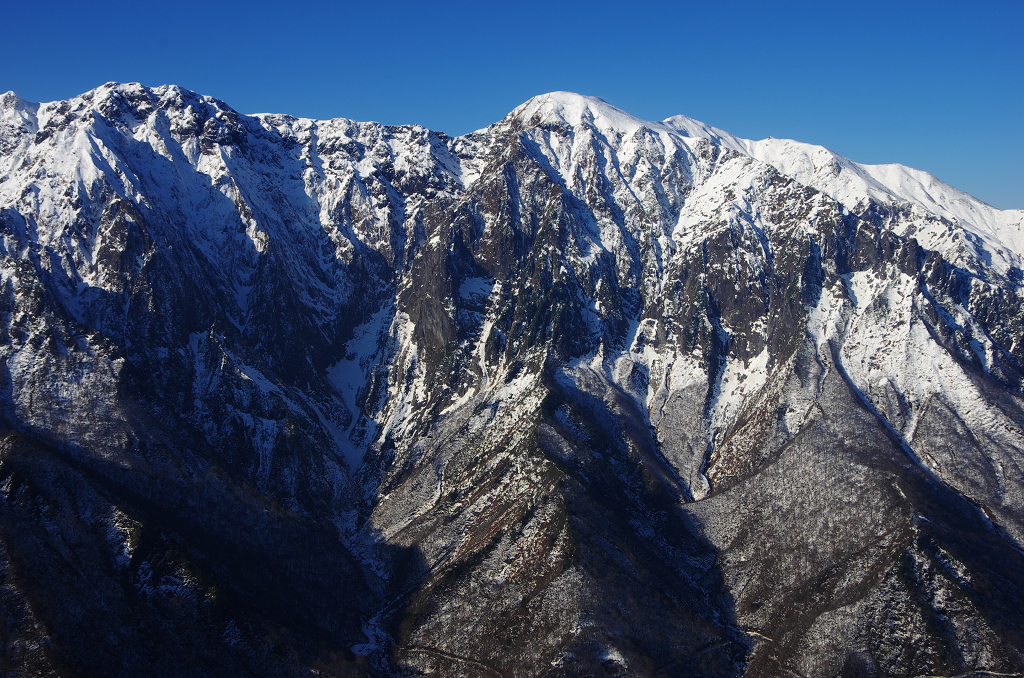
(935, 85)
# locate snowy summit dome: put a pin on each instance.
(575, 109)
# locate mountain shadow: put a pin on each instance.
(104, 575)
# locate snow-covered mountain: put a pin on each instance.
(575, 394)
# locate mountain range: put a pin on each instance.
(577, 394)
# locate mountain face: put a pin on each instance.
(574, 395)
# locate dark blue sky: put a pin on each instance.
(935, 85)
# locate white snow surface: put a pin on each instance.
(576, 109)
(937, 205)
(946, 217)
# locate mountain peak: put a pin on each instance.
(575, 109)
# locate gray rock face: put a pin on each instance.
(576, 394)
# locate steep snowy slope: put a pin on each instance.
(943, 219)
(575, 394)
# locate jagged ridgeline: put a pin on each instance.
(574, 395)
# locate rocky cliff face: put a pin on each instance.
(576, 394)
